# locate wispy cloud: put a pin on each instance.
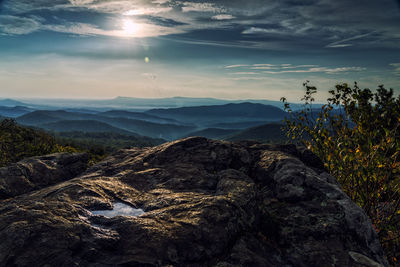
(338, 45)
(258, 20)
(84, 29)
(244, 73)
(343, 43)
(223, 17)
(140, 7)
(256, 30)
(289, 68)
(201, 7)
(147, 11)
(320, 69)
(252, 66)
(396, 67)
(298, 66)
(264, 67)
(12, 25)
(235, 66)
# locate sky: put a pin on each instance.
(231, 49)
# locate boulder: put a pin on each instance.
(38, 172)
(192, 202)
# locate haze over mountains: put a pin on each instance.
(130, 103)
(214, 118)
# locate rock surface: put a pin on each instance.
(38, 172)
(205, 203)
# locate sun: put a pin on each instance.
(129, 27)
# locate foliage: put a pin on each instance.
(357, 136)
(17, 143)
(101, 144)
(104, 142)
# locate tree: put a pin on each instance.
(357, 136)
(17, 143)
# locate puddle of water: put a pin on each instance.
(119, 209)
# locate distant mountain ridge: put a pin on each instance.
(136, 116)
(37, 117)
(245, 109)
(8, 102)
(132, 103)
(237, 125)
(84, 126)
(53, 119)
(270, 133)
(217, 121)
(228, 113)
(13, 112)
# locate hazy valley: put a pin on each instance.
(214, 118)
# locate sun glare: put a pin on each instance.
(129, 27)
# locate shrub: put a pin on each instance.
(357, 136)
(17, 143)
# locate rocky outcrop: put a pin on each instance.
(193, 202)
(38, 172)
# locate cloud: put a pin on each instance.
(129, 8)
(120, 7)
(289, 68)
(320, 69)
(336, 70)
(160, 1)
(263, 67)
(235, 66)
(147, 26)
(253, 66)
(81, 2)
(255, 30)
(201, 7)
(12, 25)
(244, 73)
(338, 45)
(223, 17)
(396, 67)
(147, 11)
(264, 24)
(78, 29)
(342, 43)
(84, 29)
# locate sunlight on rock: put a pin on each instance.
(119, 209)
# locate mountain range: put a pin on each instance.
(233, 121)
(7, 102)
(131, 103)
(228, 113)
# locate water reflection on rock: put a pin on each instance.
(119, 209)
